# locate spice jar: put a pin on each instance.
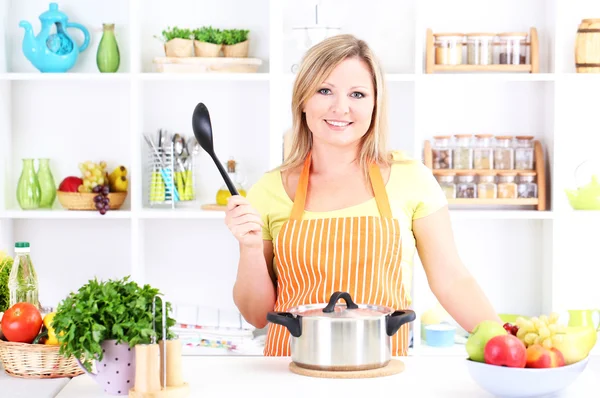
(507, 187)
(442, 152)
(524, 153)
(480, 49)
(466, 188)
(486, 187)
(483, 153)
(513, 48)
(446, 181)
(448, 48)
(526, 187)
(504, 153)
(463, 152)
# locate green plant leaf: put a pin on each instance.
(176, 33)
(234, 36)
(108, 310)
(5, 267)
(208, 34)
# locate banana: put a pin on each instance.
(121, 184)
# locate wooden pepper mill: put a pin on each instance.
(158, 372)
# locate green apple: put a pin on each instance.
(482, 333)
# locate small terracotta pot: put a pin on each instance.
(239, 50)
(204, 49)
(179, 48)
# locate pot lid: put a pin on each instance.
(333, 309)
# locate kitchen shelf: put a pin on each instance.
(63, 214)
(65, 76)
(181, 214)
(498, 202)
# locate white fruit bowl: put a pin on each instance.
(502, 381)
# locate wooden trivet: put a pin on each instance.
(395, 366)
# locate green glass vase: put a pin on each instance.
(108, 57)
(28, 187)
(47, 184)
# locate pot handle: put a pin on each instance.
(334, 299)
(291, 322)
(397, 319)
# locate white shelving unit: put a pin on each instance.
(527, 261)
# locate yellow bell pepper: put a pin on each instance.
(52, 339)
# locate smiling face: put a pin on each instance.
(339, 113)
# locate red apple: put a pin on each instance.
(505, 350)
(70, 184)
(542, 357)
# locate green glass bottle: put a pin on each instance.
(28, 187)
(47, 184)
(108, 57)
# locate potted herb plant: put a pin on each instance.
(235, 43)
(101, 323)
(207, 41)
(178, 42)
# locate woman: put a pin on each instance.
(341, 214)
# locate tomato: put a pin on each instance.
(21, 323)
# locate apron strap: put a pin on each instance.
(381, 197)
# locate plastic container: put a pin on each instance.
(23, 280)
(480, 49)
(448, 48)
(512, 48)
(440, 335)
(442, 152)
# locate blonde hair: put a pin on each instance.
(318, 62)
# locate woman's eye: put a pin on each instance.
(356, 94)
(324, 91)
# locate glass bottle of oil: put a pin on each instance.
(236, 177)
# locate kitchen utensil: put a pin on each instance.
(503, 381)
(587, 180)
(341, 337)
(178, 145)
(158, 371)
(171, 190)
(440, 335)
(203, 132)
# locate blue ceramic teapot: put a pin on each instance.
(53, 52)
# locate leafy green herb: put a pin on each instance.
(6, 263)
(208, 34)
(234, 36)
(176, 33)
(111, 310)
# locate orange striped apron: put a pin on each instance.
(358, 255)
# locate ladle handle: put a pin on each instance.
(225, 176)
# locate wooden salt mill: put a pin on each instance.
(158, 371)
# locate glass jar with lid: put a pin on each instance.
(527, 187)
(446, 181)
(507, 187)
(486, 187)
(524, 154)
(512, 48)
(483, 153)
(504, 153)
(463, 152)
(466, 188)
(442, 152)
(448, 48)
(480, 48)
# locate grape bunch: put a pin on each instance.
(101, 200)
(93, 174)
(543, 330)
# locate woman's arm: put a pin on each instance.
(453, 285)
(254, 289)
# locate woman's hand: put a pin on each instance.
(244, 222)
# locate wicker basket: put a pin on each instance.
(85, 201)
(36, 361)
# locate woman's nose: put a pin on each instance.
(341, 104)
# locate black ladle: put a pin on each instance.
(203, 132)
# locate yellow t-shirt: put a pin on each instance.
(412, 190)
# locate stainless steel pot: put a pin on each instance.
(341, 337)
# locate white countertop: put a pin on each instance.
(424, 376)
(215, 376)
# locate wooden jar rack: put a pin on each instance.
(540, 172)
(532, 67)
